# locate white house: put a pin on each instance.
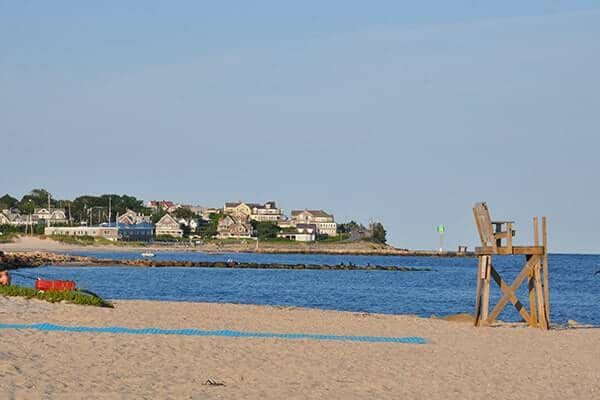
(191, 223)
(253, 211)
(50, 215)
(325, 222)
(4, 220)
(132, 218)
(301, 233)
(14, 217)
(110, 233)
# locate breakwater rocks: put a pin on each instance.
(37, 259)
(29, 260)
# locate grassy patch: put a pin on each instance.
(333, 239)
(80, 240)
(54, 296)
(8, 237)
(279, 240)
(232, 241)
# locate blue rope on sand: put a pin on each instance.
(226, 333)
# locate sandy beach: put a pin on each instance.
(458, 362)
(32, 244)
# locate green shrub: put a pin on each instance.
(167, 239)
(54, 296)
(8, 237)
(332, 239)
(78, 240)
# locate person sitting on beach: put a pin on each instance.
(4, 278)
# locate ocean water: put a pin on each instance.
(449, 288)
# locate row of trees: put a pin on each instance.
(375, 232)
(83, 208)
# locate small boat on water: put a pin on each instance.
(148, 255)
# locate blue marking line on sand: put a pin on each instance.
(226, 333)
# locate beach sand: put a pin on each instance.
(34, 243)
(459, 362)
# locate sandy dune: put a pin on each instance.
(460, 362)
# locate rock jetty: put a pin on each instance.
(38, 259)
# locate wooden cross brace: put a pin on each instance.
(531, 271)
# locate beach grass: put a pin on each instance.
(79, 240)
(8, 237)
(73, 297)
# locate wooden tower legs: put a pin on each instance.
(546, 270)
(496, 239)
(534, 271)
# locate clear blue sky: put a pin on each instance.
(400, 111)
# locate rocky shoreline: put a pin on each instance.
(37, 244)
(38, 259)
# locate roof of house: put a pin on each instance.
(251, 205)
(161, 203)
(314, 213)
(167, 219)
(140, 226)
(128, 212)
(51, 209)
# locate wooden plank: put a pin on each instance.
(477, 312)
(533, 321)
(509, 294)
(546, 269)
(532, 293)
(512, 296)
(484, 224)
(509, 237)
(486, 288)
(540, 296)
(479, 227)
(516, 250)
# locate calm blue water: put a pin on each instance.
(448, 289)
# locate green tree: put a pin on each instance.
(265, 229)
(185, 213)
(186, 230)
(349, 227)
(80, 207)
(7, 202)
(37, 198)
(379, 233)
(208, 229)
(158, 215)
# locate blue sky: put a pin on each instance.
(404, 112)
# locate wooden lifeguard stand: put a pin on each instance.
(497, 239)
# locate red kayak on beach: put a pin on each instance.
(54, 285)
